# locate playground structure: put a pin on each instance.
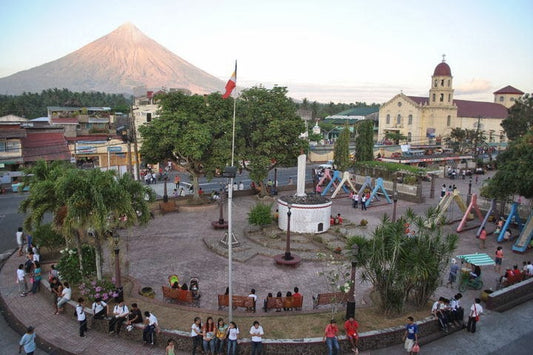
(346, 184)
(513, 216)
(468, 214)
(446, 202)
(523, 241)
(491, 210)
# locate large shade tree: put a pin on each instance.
(268, 131)
(192, 131)
(520, 118)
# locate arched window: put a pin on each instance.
(435, 82)
(409, 136)
(449, 121)
(410, 119)
(449, 97)
(399, 119)
(448, 82)
(388, 119)
(433, 97)
(501, 98)
(441, 97)
(442, 82)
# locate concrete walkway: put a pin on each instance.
(177, 243)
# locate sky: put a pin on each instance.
(336, 50)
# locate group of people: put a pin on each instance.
(449, 312)
(30, 270)
(296, 295)
(354, 196)
(331, 334)
(220, 337)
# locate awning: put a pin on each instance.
(479, 259)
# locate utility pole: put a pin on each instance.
(133, 137)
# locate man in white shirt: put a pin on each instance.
(529, 269)
(254, 297)
(82, 319)
(99, 309)
(150, 328)
(120, 312)
(20, 240)
(21, 280)
(473, 316)
(65, 296)
(256, 331)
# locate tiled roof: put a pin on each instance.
(358, 111)
(467, 108)
(65, 121)
(44, 145)
(509, 90)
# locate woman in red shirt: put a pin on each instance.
(330, 337)
(350, 327)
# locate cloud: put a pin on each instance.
(474, 86)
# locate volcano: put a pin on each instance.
(119, 62)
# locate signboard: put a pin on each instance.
(114, 149)
(85, 149)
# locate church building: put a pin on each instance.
(428, 120)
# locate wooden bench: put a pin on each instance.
(179, 295)
(237, 301)
(329, 298)
(166, 207)
(288, 303)
(513, 279)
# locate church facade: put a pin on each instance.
(428, 120)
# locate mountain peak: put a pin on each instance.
(115, 63)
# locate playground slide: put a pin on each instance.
(485, 220)
(512, 214)
(444, 204)
(525, 236)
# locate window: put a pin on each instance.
(512, 99)
(10, 146)
(399, 104)
(435, 82)
(449, 97)
(409, 136)
(148, 117)
(399, 119)
(501, 98)
(442, 82)
(441, 98)
(433, 97)
(449, 121)
(410, 119)
(491, 136)
(388, 119)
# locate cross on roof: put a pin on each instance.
(443, 58)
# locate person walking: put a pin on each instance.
(330, 337)
(20, 241)
(452, 276)
(411, 335)
(82, 319)
(28, 341)
(473, 316)
(21, 281)
(498, 260)
(482, 238)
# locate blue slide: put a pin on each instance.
(524, 239)
(512, 214)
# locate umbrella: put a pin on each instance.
(479, 259)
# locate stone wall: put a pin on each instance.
(510, 296)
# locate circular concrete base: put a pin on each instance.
(280, 260)
(218, 225)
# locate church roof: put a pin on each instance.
(467, 108)
(442, 69)
(509, 90)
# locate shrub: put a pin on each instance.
(260, 215)
(45, 237)
(363, 222)
(69, 268)
(103, 289)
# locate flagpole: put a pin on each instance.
(230, 211)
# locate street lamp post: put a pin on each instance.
(165, 194)
(350, 303)
(288, 255)
(395, 200)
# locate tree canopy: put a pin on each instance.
(520, 118)
(364, 141)
(192, 131)
(342, 150)
(465, 140)
(268, 130)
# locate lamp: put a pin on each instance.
(288, 255)
(116, 243)
(395, 200)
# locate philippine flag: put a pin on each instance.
(232, 82)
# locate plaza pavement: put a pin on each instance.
(177, 243)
